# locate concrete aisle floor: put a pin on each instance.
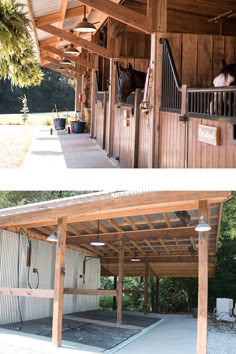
(175, 335)
(62, 150)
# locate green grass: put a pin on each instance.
(33, 118)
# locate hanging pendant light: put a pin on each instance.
(85, 26)
(71, 49)
(135, 258)
(97, 242)
(202, 226)
(53, 237)
(65, 61)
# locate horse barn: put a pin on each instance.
(178, 119)
(40, 278)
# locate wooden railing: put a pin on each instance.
(212, 103)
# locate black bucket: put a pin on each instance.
(78, 127)
(60, 123)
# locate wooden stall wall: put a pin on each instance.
(202, 155)
(197, 59)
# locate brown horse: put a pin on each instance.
(129, 81)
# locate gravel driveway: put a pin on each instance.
(15, 141)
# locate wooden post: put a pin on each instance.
(59, 283)
(112, 88)
(78, 90)
(136, 127)
(157, 307)
(93, 101)
(146, 289)
(157, 19)
(202, 283)
(120, 284)
(114, 297)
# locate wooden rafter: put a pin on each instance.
(148, 221)
(137, 246)
(150, 246)
(75, 59)
(67, 67)
(164, 245)
(101, 227)
(80, 42)
(57, 16)
(114, 224)
(167, 220)
(120, 13)
(131, 223)
(55, 68)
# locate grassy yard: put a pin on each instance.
(33, 118)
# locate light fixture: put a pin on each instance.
(135, 258)
(53, 237)
(202, 226)
(71, 49)
(85, 26)
(97, 242)
(65, 61)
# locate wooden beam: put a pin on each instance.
(162, 233)
(72, 57)
(131, 223)
(157, 15)
(46, 293)
(146, 289)
(67, 67)
(152, 248)
(59, 283)
(120, 284)
(90, 46)
(55, 68)
(111, 107)
(202, 283)
(120, 13)
(96, 292)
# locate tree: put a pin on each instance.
(15, 198)
(55, 88)
(17, 56)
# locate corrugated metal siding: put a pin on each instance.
(45, 7)
(43, 258)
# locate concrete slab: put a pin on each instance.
(62, 150)
(176, 334)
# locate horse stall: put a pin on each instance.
(190, 135)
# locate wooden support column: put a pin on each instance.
(157, 307)
(78, 90)
(120, 283)
(146, 289)
(112, 88)
(114, 297)
(138, 100)
(59, 282)
(202, 283)
(157, 19)
(93, 101)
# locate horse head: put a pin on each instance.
(227, 75)
(129, 81)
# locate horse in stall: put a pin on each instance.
(226, 77)
(129, 80)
